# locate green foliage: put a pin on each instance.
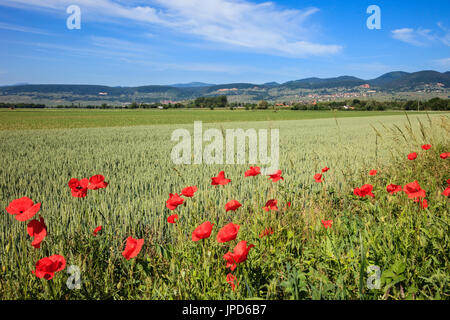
(300, 260)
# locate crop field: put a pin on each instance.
(294, 255)
(22, 119)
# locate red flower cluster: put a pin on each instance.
(445, 155)
(271, 205)
(238, 255)
(220, 179)
(276, 176)
(172, 218)
(232, 205)
(189, 191)
(412, 156)
(97, 230)
(38, 230)
(318, 178)
(132, 247)
(79, 188)
(327, 223)
(203, 231)
(365, 190)
(232, 280)
(393, 188)
(413, 190)
(253, 172)
(23, 208)
(174, 201)
(228, 233)
(47, 267)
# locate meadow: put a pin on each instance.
(24, 119)
(301, 259)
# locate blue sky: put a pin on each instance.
(132, 42)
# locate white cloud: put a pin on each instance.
(423, 37)
(419, 37)
(13, 27)
(262, 27)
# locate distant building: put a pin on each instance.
(224, 90)
(365, 86)
(103, 93)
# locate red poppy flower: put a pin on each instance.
(97, 182)
(372, 172)
(23, 208)
(426, 147)
(132, 248)
(220, 179)
(412, 156)
(365, 190)
(38, 230)
(172, 218)
(318, 177)
(448, 182)
(174, 201)
(203, 231)
(189, 191)
(238, 255)
(423, 203)
(97, 230)
(232, 205)
(444, 155)
(446, 192)
(413, 190)
(79, 187)
(289, 204)
(254, 171)
(325, 169)
(393, 188)
(266, 232)
(327, 223)
(271, 205)
(46, 267)
(232, 280)
(276, 176)
(228, 233)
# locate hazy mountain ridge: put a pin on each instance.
(392, 81)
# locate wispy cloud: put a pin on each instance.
(419, 37)
(423, 37)
(262, 27)
(13, 27)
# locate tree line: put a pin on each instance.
(435, 104)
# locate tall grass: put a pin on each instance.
(300, 260)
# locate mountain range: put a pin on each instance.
(392, 81)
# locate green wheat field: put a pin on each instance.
(42, 150)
